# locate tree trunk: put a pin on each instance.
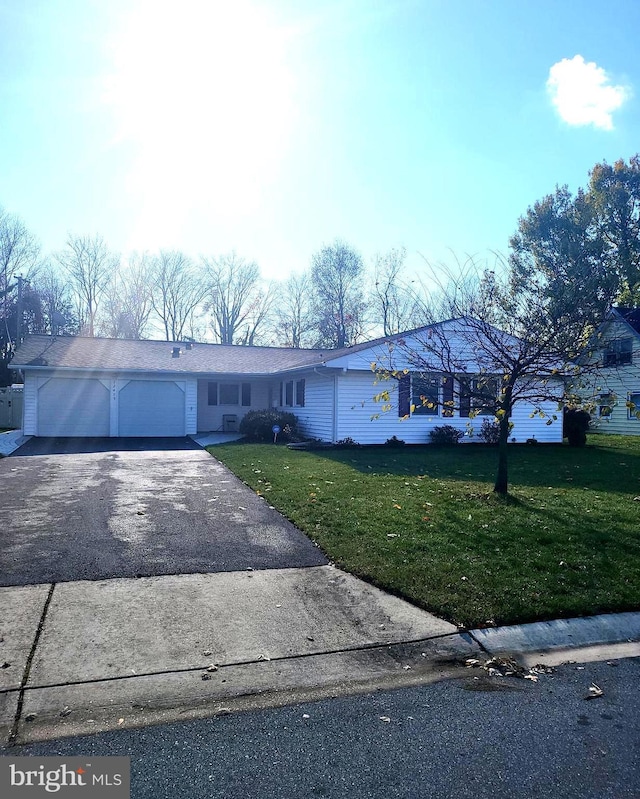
(502, 477)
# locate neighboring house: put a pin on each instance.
(613, 390)
(116, 387)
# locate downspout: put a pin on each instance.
(335, 408)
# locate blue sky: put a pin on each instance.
(274, 126)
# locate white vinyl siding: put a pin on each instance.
(356, 407)
(73, 407)
(191, 399)
(30, 409)
(151, 408)
(316, 417)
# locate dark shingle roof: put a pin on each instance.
(631, 317)
(70, 352)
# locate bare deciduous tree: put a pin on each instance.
(128, 307)
(19, 253)
(89, 265)
(19, 249)
(57, 303)
(293, 318)
(176, 292)
(337, 279)
(394, 304)
(238, 302)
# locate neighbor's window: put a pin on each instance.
(246, 394)
(425, 395)
(605, 405)
(633, 406)
(618, 353)
(212, 389)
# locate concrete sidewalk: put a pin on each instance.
(88, 656)
(83, 656)
(10, 441)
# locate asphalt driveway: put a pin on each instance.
(74, 509)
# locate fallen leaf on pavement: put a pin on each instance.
(594, 691)
(386, 719)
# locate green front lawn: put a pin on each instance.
(422, 522)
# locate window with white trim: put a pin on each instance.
(478, 396)
(292, 393)
(605, 405)
(229, 393)
(425, 395)
(618, 352)
(633, 405)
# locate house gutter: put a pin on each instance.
(182, 373)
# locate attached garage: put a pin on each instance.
(151, 408)
(129, 388)
(73, 407)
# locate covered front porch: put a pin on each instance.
(223, 400)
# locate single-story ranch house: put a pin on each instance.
(114, 387)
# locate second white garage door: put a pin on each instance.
(151, 408)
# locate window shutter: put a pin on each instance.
(404, 395)
(447, 396)
(300, 390)
(465, 398)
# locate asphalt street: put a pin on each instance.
(95, 509)
(476, 737)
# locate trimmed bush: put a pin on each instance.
(394, 441)
(258, 425)
(489, 432)
(575, 424)
(445, 435)
(346, 443)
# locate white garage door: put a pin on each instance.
(73, 407)
(151, 408)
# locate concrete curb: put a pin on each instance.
(559, 634)
(101, 704)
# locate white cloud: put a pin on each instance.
(583, 94)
